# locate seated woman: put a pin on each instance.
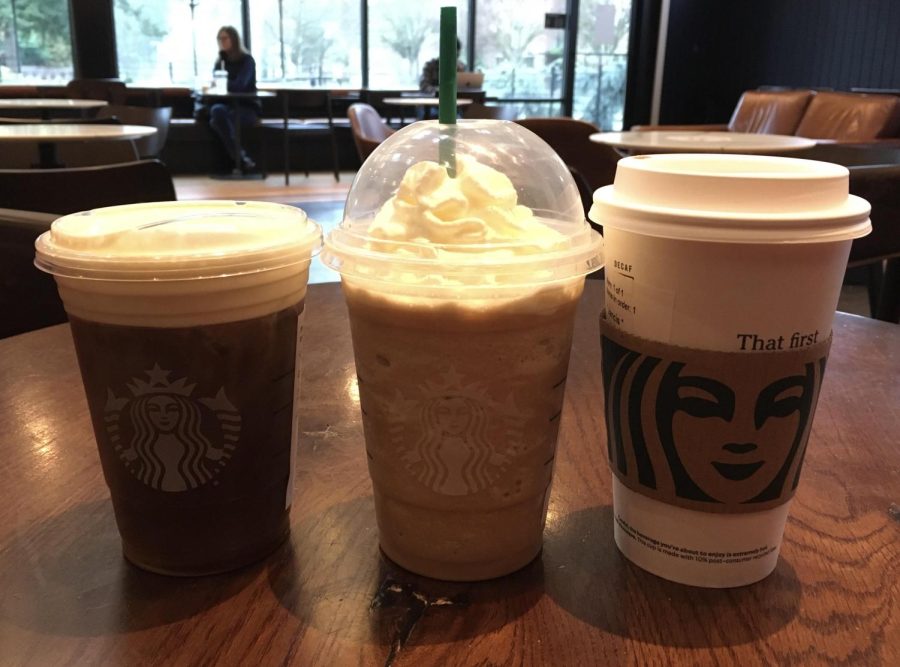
(241, 70)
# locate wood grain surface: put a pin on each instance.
(328, 598)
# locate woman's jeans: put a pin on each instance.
(221, 120)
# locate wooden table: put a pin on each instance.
(422, 101)
(48, 135)
(328, 597)
(702, 142)
(48, 105)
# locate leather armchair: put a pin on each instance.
(770, 112)
(850, 117)
(763, 112)
(880, 250)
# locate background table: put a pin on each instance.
(426, 103)
(328, 598)
(47, 105)
(702, 142)
(48, 136)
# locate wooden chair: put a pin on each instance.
(375, 98)
(880, 250)
(369, 129)
(592, 165)
(158, 117)
(28, 297)
(493, 112)
(111, 90)
(82, 188)
(307, 115)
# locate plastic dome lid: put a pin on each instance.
(510, 212)
(733, 199)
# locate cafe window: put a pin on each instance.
(34, 42)
(520, 45)
(309, 42)
(403, 36)
(170, 41)
(601, 62)
(520, 58)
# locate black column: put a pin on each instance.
(93, 39)
(570, 51)
(642, 43)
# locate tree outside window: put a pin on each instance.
(34, 41)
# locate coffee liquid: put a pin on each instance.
(195, 428)
(461, 411)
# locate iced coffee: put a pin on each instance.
(462, 303)
(187, 319)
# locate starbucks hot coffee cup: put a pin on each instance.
(723, 275)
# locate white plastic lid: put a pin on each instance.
(541, 181)
(732, 198)
(179, 240)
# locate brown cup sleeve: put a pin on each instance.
(722, 432)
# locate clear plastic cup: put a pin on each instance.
(187, 318)
(462, 325)
(737, 261)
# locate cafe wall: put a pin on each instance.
(715, 50)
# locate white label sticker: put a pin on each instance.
(634, 305)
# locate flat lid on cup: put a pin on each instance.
(177, 240)
(732, 198)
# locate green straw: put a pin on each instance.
(447, 90)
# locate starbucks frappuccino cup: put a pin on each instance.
(462, 275)
(187, 320)
(722, 281)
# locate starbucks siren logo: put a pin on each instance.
(453, 436)
(168, 439)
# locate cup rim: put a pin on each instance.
(491, 265)
(204, 263)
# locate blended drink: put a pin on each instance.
(462, 306)
(723, 277)
(187, 319)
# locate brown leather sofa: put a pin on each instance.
(770, 112)
(850, 117)
(842, 117)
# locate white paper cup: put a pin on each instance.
(724, 253)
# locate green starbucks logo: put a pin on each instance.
(167, 438)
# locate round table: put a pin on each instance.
(702, 142)
(48, 136)
(47, 104)
(421, 101)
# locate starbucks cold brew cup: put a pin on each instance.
(723, 276)
(187, 318)
(461, 286)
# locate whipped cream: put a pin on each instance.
(475, 211)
